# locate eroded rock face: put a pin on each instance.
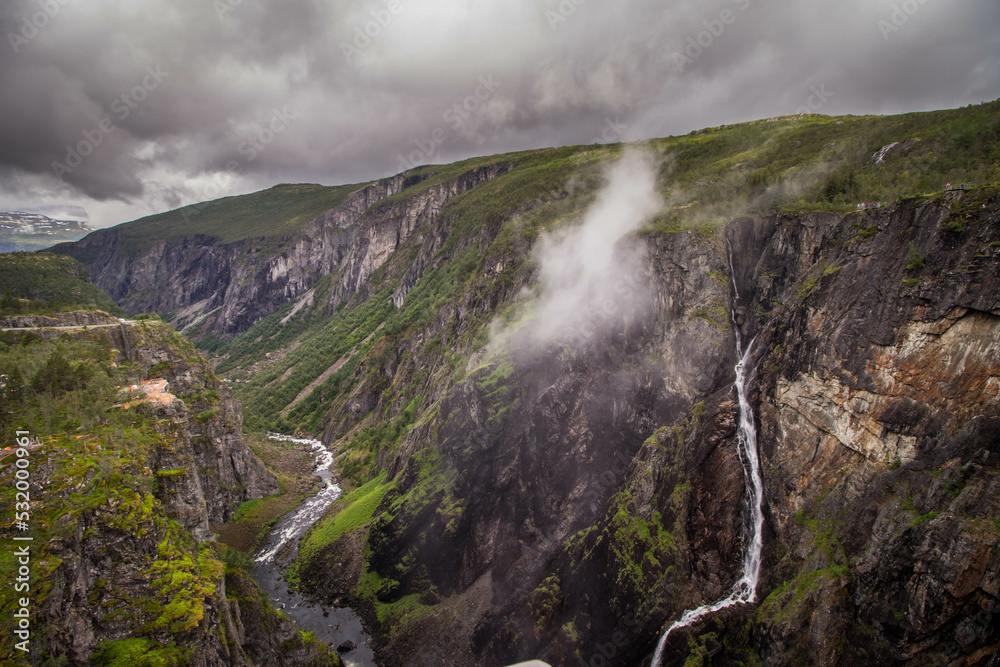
(946, 369)
(879, 416)
(142, 566)
(531, 451)
(234, 285)
(584, 500)
(204, 429)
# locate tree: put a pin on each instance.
(12, 394)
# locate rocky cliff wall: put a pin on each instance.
(231, 286)
(575, 503)
(123, 563)
(569, 504)
(879, 428)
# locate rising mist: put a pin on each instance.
(587, 281)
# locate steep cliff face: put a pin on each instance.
(879, 428)
(123, 561)
(568, 505)
(226, 287)
(507, 484)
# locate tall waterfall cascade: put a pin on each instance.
(745, 589)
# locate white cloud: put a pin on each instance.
(586, 282)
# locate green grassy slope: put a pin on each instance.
(43, 283)
(278, 211)
(822, 162)
(790, 163)
(796, 161)
(709, 176)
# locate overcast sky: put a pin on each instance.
(115, 109)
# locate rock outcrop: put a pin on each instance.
(575, 503)
(228, 287)
(879, 419)
(123, 562)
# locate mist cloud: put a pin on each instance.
(586, 279)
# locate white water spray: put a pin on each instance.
(745, 590)
(310, 512)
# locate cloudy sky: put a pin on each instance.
(114, 109)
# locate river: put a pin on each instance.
(332, 625)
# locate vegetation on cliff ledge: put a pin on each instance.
(41, 283)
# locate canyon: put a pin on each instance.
(567, 499)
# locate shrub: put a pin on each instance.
(914, 259)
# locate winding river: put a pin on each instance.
(332, 625)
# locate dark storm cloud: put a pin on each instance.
(175, 101)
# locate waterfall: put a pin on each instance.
(744, 590)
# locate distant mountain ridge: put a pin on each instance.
(39, 224)
(229, 263)
(20, 230)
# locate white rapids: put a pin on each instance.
(745, 590)
(311, 510)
